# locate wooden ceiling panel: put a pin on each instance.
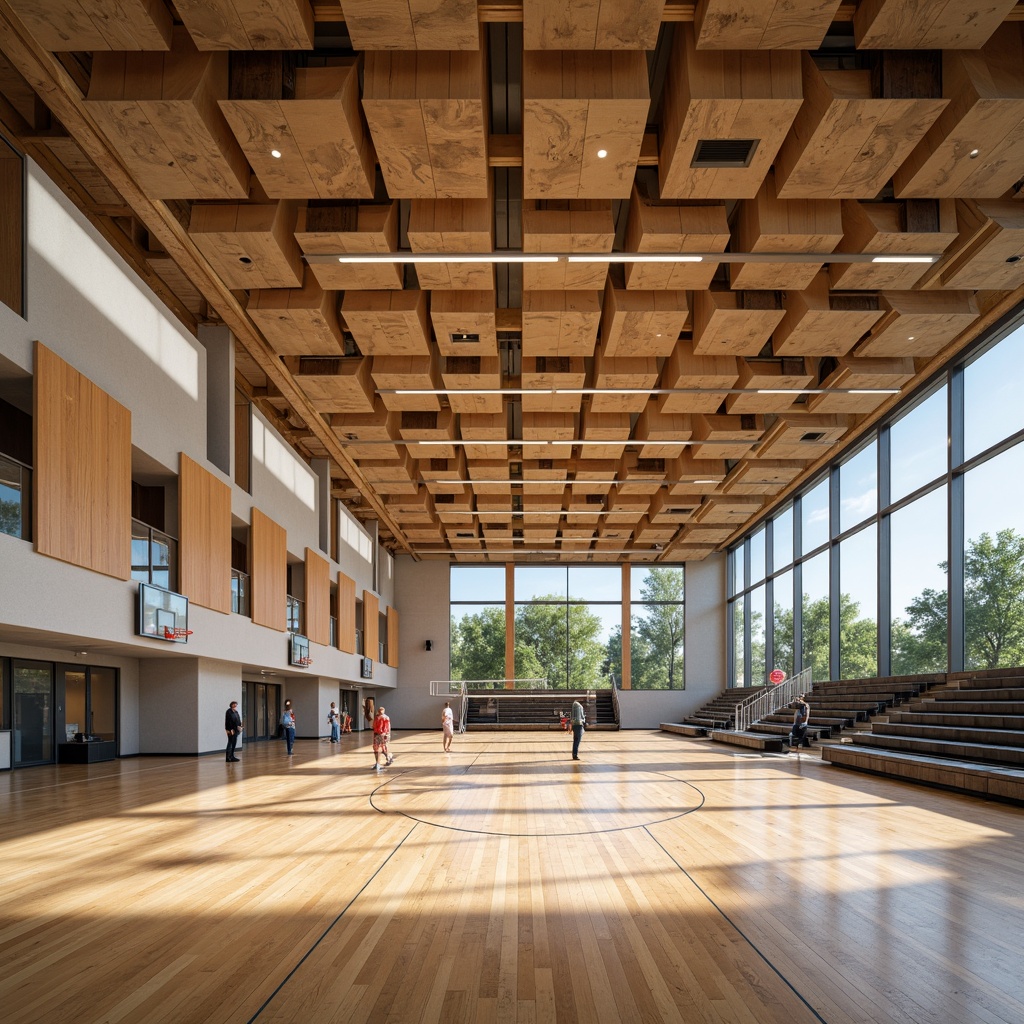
(761, 476)
(354, 230)
(985, 117)
(160, 113)
(726, 437)
(734, 323)
(769, 224)
(98, 25)
(322, 147)
(802, 436)
(453, 225)
(845, 142)
(704, 378)
(412, 24)
(545, 373)
(918, 324)
(658, 227)
(388, 323)
(428, 121)
(560, 323)
(861, 374)
(596, 25)
(822, 323)
(580, 226)
(248, 24)
(934, 24)
(576, 107)
(250, 245)
(464, 323)
(635, 323)
(335, 385)
(763, 24)
(299, 321)
(662, 433)
(713, 98)
(760, 377)
(989, 252)
(473, 373)
(612, 373)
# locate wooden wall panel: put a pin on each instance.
(318, 598)
(269, 572)
(346, 614)
(83, 470)
(371, 625)
(204, 537)
(392, 618)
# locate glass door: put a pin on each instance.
(32, 704)
(260, 710)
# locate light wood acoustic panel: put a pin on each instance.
(560, 323)
(918, 324)
(355, 230)
(714, 97)
(323, 151)
(705, 379)
(371, 625)
(767, 223)
(823, 323)
(318, 598)
(661, 433)
(622, 372)
(803, 436)
(770, 375)
(642, 323)
(334, 384)
(159, 112)
(847, 142)
(412, 24)
(402, 374)
(761, 476)
(762, 24)
(346, 614)
(549, 372)
(299, 321)
(577, 226)
(859, 373)
(204, 537)
(989, 252)
(912, 228)
(464, 323)
(473, 373)
(734, 323)
(269, 572)
(428, 120)
(391, 615)
(598, 25)
(452, 225)
(654, 226)
(82, 471)
(99, 25)
(576, 106)
(985, 117)
(250, 245)
(388, 323)
(927, 24)
(248, 24)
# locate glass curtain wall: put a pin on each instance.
(907, 555)
(656, 628)
(477, 631)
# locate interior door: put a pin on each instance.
(32, 705)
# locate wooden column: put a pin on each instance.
(627, 667)
(510, 623)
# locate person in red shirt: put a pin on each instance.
(381, 738)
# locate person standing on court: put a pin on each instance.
(288, 725)
(233, 727)
(334, 721)
(801, 718)
(381, 738)
(578, 719)
(447, 726)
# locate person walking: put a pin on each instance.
(801, 719)
(447, 726)
(233, 727)
(381, 738)
(334, 720)
(578, 719)
(346, 722)
(288, 725)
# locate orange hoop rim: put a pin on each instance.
(173, 633)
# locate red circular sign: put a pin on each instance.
(776, 676)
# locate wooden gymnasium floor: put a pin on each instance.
(658, 879)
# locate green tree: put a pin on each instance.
(478, 645)
(10, 517)
(857, 638)
(560, 642)
(656, 643)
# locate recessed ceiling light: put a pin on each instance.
(602, 153)
(974, 153)
(276, 154)
(911, 337)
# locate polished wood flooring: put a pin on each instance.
(656, 879)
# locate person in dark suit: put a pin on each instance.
(233, 727)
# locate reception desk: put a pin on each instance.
(86, 753)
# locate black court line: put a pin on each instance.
(739, 931)
(309, 952)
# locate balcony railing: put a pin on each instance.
(15, 498)
(294, 615)
(239, 592)
(154, 556)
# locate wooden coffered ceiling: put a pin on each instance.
(343, 182)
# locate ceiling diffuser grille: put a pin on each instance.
(724, 152)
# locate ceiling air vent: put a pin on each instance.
(724, 152)
(462, 336)
(813, 435)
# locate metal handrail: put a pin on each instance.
(765, 703)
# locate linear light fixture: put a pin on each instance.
(509, 256)
(541, 392)
(518, 442)
(560, 483)
(538, 512)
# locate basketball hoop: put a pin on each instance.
(176, 633)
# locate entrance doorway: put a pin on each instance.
(261, 710)
(32, 705)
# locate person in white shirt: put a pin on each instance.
(447, 726)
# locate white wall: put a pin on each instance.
(169, 706)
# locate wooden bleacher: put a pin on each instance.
(537, 709)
